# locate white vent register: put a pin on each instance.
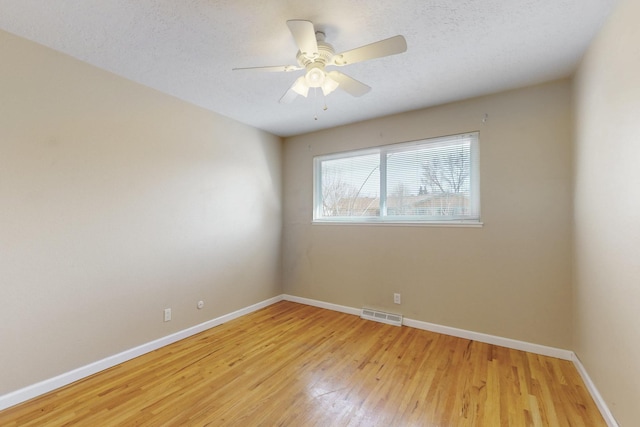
(381, 316)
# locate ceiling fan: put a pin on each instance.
(314, 55)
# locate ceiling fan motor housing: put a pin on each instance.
(317, 59)
(315, 74)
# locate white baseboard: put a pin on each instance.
(595, 394)
(34, 390)
(489, 339)
(29, 392)
(322, 304)
(447, 330)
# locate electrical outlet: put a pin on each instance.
(200, 304)
(167, 314)
(396, 298)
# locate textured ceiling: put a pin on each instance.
(457, 49)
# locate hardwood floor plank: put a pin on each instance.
(296, 365)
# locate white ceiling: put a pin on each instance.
(457, 49)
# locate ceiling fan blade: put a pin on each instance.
(386, 47)
(305, 36)
(349, 84)
(286, 68)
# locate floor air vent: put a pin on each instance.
(381, 316)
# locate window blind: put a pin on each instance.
(432, 180)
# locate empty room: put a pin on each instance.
(335, 213)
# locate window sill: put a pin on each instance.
(464, 224)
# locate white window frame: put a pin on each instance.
(382, 151)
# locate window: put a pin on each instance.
(429, 181)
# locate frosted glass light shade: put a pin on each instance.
(329, 85)
(315, 77)
(300, 87)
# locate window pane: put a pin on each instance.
(351, 186)
(431, 181)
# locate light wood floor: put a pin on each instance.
(295, 365)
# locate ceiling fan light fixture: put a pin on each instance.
(315, 76)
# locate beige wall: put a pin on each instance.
(510, 278)
(607, 213)
(116, 202)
